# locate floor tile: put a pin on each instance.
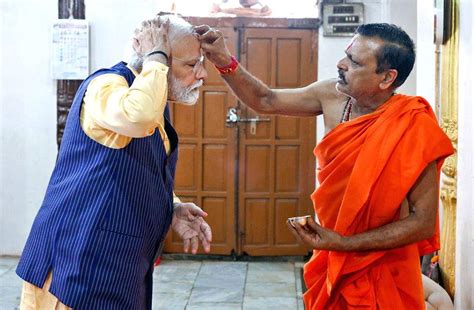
(10, 278)
(214, 306)
(298, 280)
(169, 302)
(271, 303)
(300, 303)
(229, 269)
(270, 290)
(5, 268)
(10, 294)
(219, 281)
(9, 306)
(176, 271)
(270, 276)
(215, 294)
(276, 266)
(182, 288)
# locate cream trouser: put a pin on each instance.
(35, 298)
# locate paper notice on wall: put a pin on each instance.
(70, 56)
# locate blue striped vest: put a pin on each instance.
(103, 217)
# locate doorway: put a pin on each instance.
(250, 172)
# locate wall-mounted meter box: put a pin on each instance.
(341, 20)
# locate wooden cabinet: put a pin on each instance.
(250, 177)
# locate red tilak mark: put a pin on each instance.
(349, 46)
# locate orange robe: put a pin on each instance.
(366, 169)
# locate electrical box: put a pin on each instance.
(342, 20)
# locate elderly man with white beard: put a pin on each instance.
(110, 201)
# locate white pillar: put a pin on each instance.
(464, 282)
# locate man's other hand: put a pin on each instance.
(190, 226)
(213, 45)
(315, 236)
(152, 36)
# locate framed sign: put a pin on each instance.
(70, 55)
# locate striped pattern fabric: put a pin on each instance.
(103, 217)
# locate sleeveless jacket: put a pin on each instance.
(103, 217)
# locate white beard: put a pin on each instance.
(182, 94)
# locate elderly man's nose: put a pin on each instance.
(201, 74)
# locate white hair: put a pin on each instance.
(178, 29)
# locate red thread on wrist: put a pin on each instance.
(230, 68)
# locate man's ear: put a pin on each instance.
(135, 44)
(388, 79)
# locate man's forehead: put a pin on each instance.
(364, 45)
(187, 47)
(349, 46)
(356, 40)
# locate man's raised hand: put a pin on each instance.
(213, 45)
(152, 36)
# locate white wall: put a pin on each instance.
(465, 212)
(425, 70)
(112, 23)
(27, 116)
(403, 13)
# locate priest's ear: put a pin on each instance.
(389, 77)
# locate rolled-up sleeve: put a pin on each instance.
(133, 111)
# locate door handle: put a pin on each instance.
(233, 118)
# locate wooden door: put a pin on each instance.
(276, 165)
(249, 183)
(205, 173)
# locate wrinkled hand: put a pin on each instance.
(190, 226)
(213, 45)
(317, 237)
(152, 36)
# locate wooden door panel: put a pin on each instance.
(214, 174)
(186, 121)
(287, 178)
(284, 208)
(256, 231)
(189, 162)
(275, 159)
(255, 169)
(215, 110)
(261, 67)
(288, 62)
(287, 128)
(219, 219)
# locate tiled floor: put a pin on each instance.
(199, 285)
